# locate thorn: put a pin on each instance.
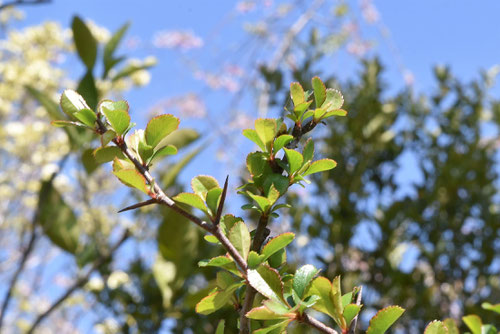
(138, 205)
(221, 203)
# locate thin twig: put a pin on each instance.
(139, 205)
(22, 2)
(221, 204)
(310, 321)
(26, 253)
(79, 283)
(354, 323)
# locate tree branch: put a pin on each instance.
(79, 283)
(22, 2)
(310, 321)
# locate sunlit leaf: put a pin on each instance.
(85, 43)
(117, 115)
(202, 184)
(319, 91)
(160, 127)
(277, 243)
(436, 327)
(320, 166)
(302, 278)
(384, 319)
(240, 238)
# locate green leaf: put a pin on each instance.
(436, 327)
(162, 152)
(278, 328)
(88, 161)
(132, 178)
(240, 238)
(490, 307)
(338, 112)
(308, 151)
(223, 261)
(267, 282)
(117, 114)
(107, 136)
(110, 48)
(87, 88)
(277, 259)
(85, 43)
(295, 160)
(334, 100)
(257, 164)
(60, 124)
(254, 259)
(322, 287)
(71, 102)
(266, 129)
(384, 319)
(216, 300)
(277, 243)
(319, 91)
(302, 278)
(263, 313)
(253, 136)
(57, 219)
(488, 329)
(86, 116)
(281, 141)
(202, 184)
(320, 166)
(350, 311)
(159, 128)
(297, 93)
(473, 322)
(192, 200)
(107, 154)
(451, 325)
(212, 200)
(336, 297)
(263, 202)
(220, 327)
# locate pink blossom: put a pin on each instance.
(176, 39)
(223, 81)
(245, 6)
(188, 105)
(369, 11)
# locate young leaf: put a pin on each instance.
(223, 261)
(86, 116)
(202, 184)
(451, 325)
(322, 287)
(297, 93)
(85, 43)
(216, 300)
(350, 311)
(263, 313)
(254, 259)
(253, 136)
(295, 160)
(60, 123)
(240, 238)
(436, 327)
(107, 154)
(337, 112)
(164, 151)
(267, 282)
(266, 129)
(473, 322)
(319, 91)
(180, 138)
(490, 307)
(277, 243)
(263, 202)
(384, 319)
(334, 100)
(302, 278)
(280, 142)
(72, 102)
(160, 127)
(220, 327)
(274, 329)
(132, 178)
(192, 200)
(116, 114)
(320, 166)
(212, 200)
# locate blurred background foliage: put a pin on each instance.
(411, 212)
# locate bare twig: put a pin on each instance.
(22, 2)
(310, 321)
(139, 205)
(26, 253)
(79, 283)
(354, 323)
